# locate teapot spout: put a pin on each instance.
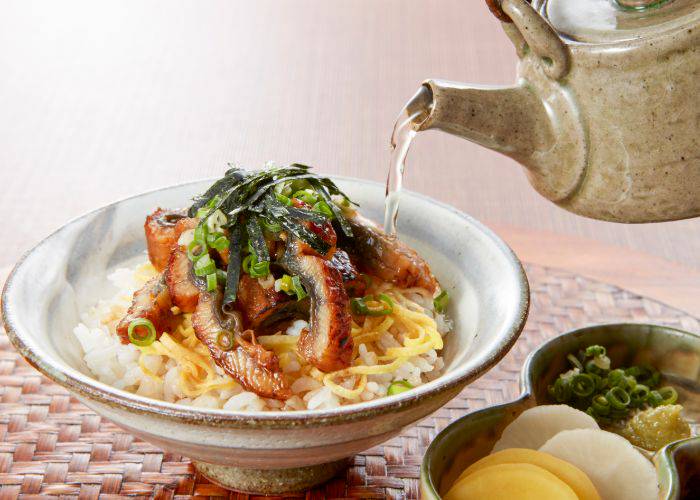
(511, 120)
(543, 134)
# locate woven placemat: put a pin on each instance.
(51, 445)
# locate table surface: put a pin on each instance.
(102, 100)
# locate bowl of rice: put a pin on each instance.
(64, 298)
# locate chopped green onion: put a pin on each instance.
(141, 340)
(654, 399)
(592, 367)
(386, 299)
(298, 288)
(358, 306)
(368, 306)
(195, 250)
(204, 265)
(595, 350)
(574, 361)
(307, 196)
(216, 221)
(618, 397)
(220, 243)
(246, 263)
(269, 225)
(283, 199)
(652, 380)
(639, 395)
(398, 387)
(615, 376)
(221, 276)
(212, 282)
(600, 405)
(608, 395)
(668, 395)
(639, 372)
(440, 302)
(225, 340)
(323, 208)
(284, 284)
(259, 269)
(582, 385)
(200, 234)
(561, 390)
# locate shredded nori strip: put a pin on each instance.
(257, 240)
(337, 212)
(230, 178)
(233, 273)
(247, 195)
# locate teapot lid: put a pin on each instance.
(600, 21)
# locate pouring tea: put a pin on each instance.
(605, 113)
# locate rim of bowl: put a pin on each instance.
(526, 391)
(92, 389)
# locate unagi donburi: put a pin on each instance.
(269, 292)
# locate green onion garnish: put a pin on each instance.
(595, 350)
(200, 234)
(212, 282)
(262, 196)
(284, 284)
(600, 405)
(195, 250)
(369, 306)
(654, 399)
(138, 339)
(608, 394)
(225, 340)
(307, 196)
(323, 208)
(668, 395)
(639, 395)
(259, 269)
(270, 226)
(221, 276)
(618, 397)
(398, 387)
(440, 302)
(204, 265)
(582, 385)
(283, 199)
(298, 288)
(575, 362)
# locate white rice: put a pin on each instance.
(117, 364)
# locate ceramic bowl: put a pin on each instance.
(264, 451)
(675, 353)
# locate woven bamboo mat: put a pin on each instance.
(51, 445)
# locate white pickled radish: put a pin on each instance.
(616, 468)
(535, 426)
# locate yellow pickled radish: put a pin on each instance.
(570, 474)
(511, 482)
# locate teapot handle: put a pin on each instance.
(495, 8)
(533, 31)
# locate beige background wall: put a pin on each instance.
(102, 100)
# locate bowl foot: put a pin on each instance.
(270, 481)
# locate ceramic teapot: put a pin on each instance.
(605, 115)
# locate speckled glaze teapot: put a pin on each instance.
(605, 115)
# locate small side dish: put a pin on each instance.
(629, 401)
(557, 452)
(270, 292)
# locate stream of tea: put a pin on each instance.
(405, 129)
